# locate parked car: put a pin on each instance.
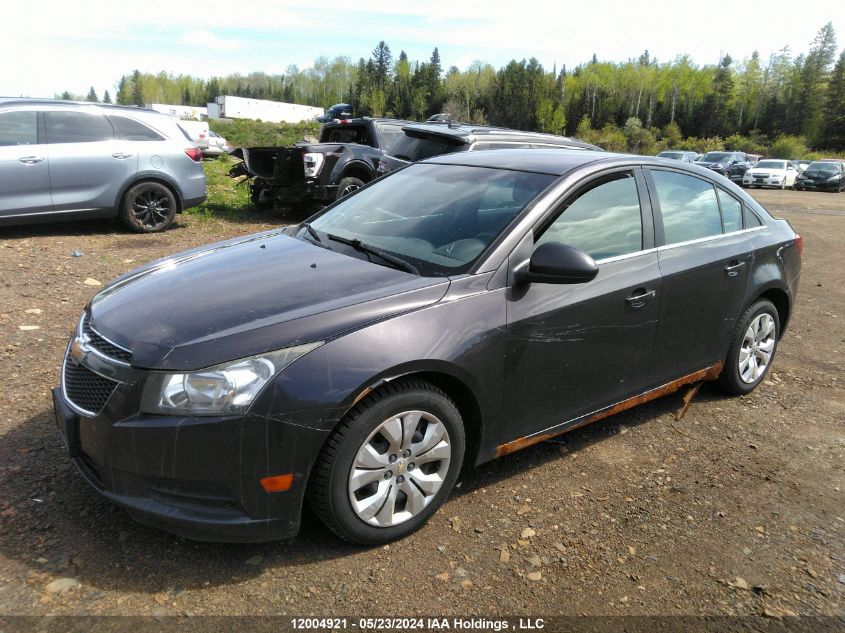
(822, 175)
(455, 311)
(679, 154)
(344, 159)
(217, 145)
(770, 173)
(722, 162)
(62, 160)
(197, 131)
(424, 140)
(736, 171)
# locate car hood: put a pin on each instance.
(246, 296)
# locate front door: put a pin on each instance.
(573, 349)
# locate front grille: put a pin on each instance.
(105, 347)
(85, 389)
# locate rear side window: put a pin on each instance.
(414, 148)
(604, 220)
(688, 206)
(731, 212)
(77, 127)
(131, 130)
(18, 128)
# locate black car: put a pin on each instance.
(424, 140)
(338, 111)
(731, 165)
(822, 175)
(455, 311)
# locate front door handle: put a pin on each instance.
(733, 268)
(121, 155)
(30, 160)
(640, 297)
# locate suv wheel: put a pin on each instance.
(148, 207)
(389, 465)
(348, 185)
(752, 350)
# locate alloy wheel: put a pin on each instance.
(151, 208)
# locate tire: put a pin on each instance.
(348, 185)
(757, 332)
(377, 508)
(148, 207)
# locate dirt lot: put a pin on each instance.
(736, 509)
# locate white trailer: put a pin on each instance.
(180, 111)
(228, 107)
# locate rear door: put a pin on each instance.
(705, 257)
(88, 167)
(575, 348)
(24, 165)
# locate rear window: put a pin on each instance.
(389, 135)
(132, 130)
(346, 134)
(414, 148)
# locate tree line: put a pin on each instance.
(641, 104)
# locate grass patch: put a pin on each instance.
(227, 198)
(249, 133)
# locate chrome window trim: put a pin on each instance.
(618, 258)
(709, 238)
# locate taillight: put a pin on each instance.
(799, 244)
(194, 153)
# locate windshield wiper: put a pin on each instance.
(312, 232)
(358, 245)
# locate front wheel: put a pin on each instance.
(389, 465)
(752, 350)
(148, 207)
(348, 185)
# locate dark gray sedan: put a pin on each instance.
(457, 310)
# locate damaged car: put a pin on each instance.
(457, 310)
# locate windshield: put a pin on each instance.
(823, 168)
(440, 218)
(714, 157)
(413, 148)
(771, 164)
(675, 155)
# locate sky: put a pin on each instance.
(60, 45)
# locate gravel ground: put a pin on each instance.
(737, 509)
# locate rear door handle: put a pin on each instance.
(733, 268)
(30, 160)
(640, 297)
(121, 155)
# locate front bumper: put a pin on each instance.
(762, 182)
(195, 477)
(811, 185)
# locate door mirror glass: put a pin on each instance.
(556, 263)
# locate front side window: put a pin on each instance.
(603, 221)
(77, 127)
(688, 207)
(439, 218)
(18, 128)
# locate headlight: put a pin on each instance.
(835, 177)
(220, 390)
(312, 163)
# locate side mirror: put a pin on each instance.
(556, 263)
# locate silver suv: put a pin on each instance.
(62, 160)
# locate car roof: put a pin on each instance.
(24, 101)
(469, 134)
(359, 120)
